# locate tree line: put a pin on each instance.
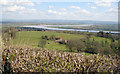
(91, 46)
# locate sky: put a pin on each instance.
(100, 10)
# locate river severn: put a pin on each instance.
(52, 27)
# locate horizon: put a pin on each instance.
(53, 19)
(57, 20)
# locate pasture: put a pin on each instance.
(31, 39)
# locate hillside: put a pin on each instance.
(39, 51)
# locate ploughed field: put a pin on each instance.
(19, 59)
(32, 38)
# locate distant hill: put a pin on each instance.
(47, 21)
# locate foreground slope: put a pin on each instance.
(37, 60)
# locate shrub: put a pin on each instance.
(11, 31)
(8, 34)
(52, 37)
(44, 37)
(42, 43)
(76, 45)
(12, 56)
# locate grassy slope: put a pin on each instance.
(31, 38)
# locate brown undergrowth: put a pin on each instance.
(19, 59)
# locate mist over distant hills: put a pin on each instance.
(48, 21)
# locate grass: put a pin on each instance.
(31, 39)
(56, 46)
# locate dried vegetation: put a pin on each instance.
(37, 60)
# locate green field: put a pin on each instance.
(31, 39)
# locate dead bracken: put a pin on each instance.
(37, 60)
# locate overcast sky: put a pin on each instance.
(102, 10)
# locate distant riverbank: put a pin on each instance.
(50, 27)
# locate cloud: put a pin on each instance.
(17, 2)
(113, 10)
(38, 3)
(77, 14)
(50, 6)
(80, 9)
(93, 7)
(62, 9)
(75, 7)
(56, 12)
(103, 4)
(6, 2)
(51, 11)
(88, 3)
(109, 0)
(18, 10)
(24, 2)
(14, 8)
(17, 6)
(85, 11)
(28, 11)
(106, 16)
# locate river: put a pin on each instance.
(50, 27)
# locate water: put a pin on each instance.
(49, 27)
